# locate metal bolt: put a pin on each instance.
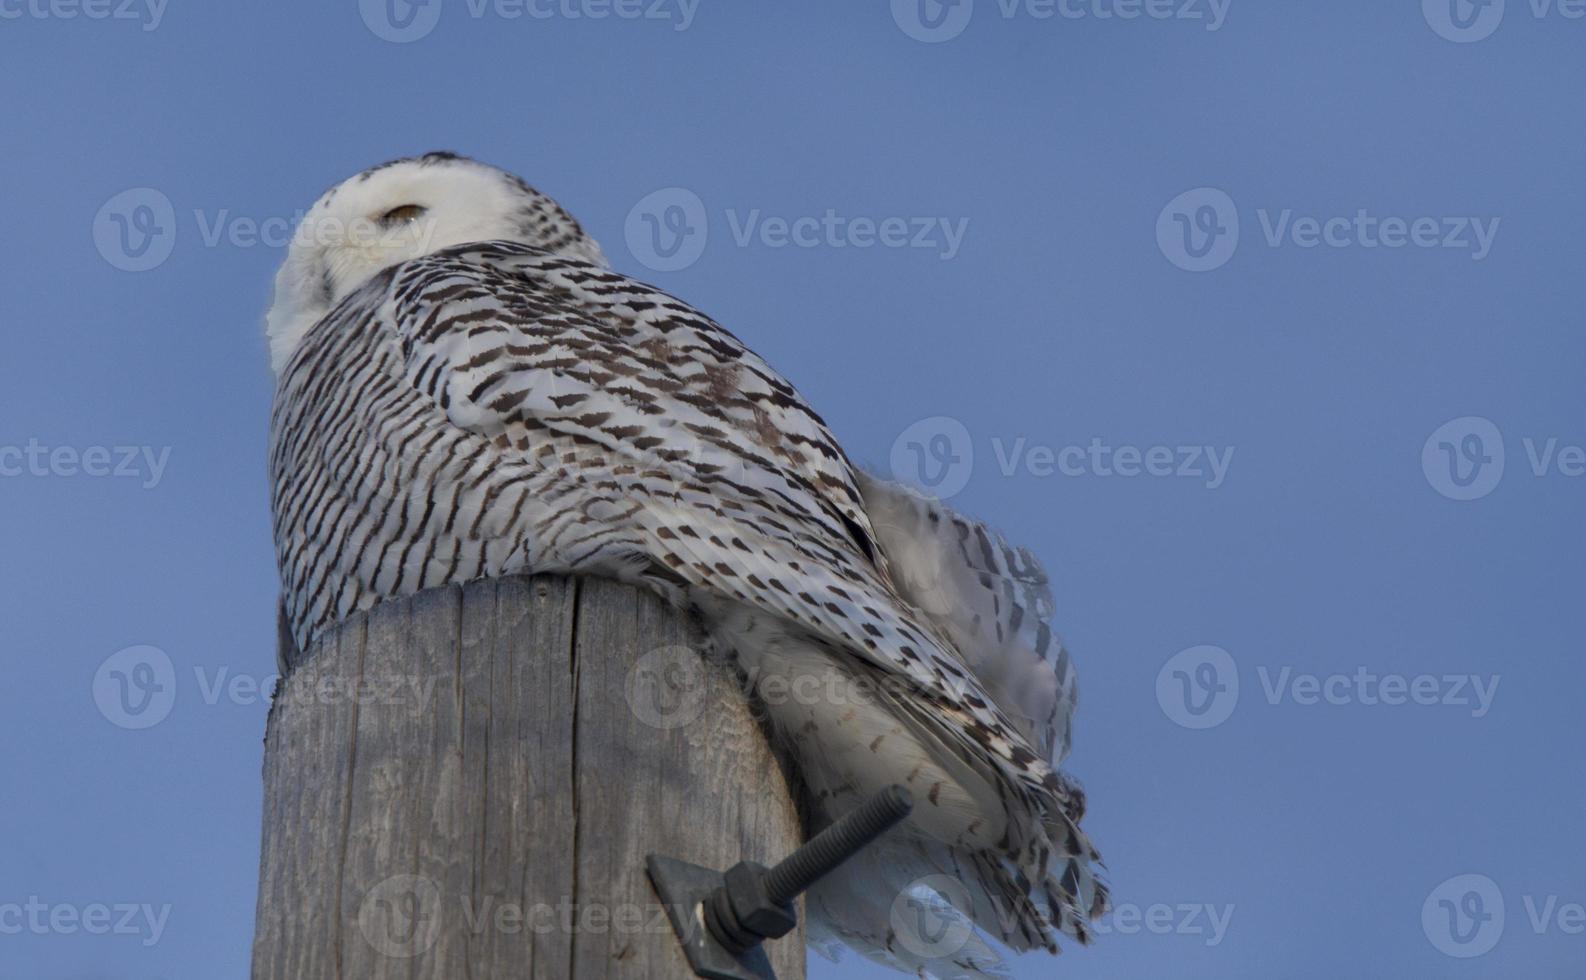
(828, 849)
(751, 903)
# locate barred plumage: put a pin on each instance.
(475, 394)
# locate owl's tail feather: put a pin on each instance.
(975, 854)
(882, 905)
(1037, 873)
(919, 906)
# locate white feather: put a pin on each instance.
(990, 598)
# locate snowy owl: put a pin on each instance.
(465, 390)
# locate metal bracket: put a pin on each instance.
(721, 919)
(684, 889)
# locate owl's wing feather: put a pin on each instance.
(992, 599)
(744, 489)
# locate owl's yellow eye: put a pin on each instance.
(406, 214)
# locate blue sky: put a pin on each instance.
(1329, 650)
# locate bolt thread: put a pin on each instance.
(828, 849)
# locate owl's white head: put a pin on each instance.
(403, 210)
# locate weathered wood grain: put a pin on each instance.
(466, 783)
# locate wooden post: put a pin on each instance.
(466, 784)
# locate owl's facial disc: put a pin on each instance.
(400, 211)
